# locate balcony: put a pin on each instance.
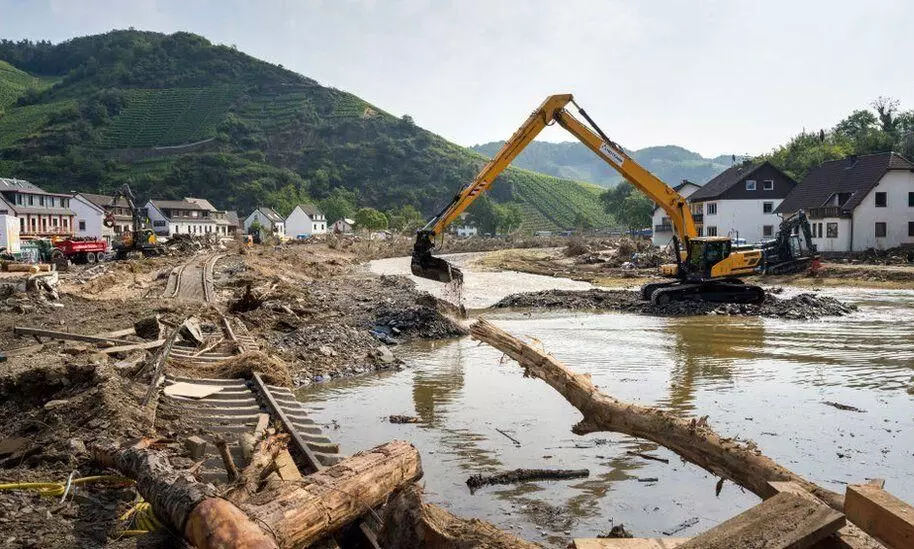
(826, 211)
(663, 228)
(698, 218)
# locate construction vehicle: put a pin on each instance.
(788, 252)
(140, 238)
(706, 268)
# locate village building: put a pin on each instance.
(171, 217)
(90, 210)
(857, 203)
(661, 222)
(231, 217)
(224, 226)
(741, 201)
(271, 221)
(342, 226)
(40, 214)
(304, 221)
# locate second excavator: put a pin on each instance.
(706, 268)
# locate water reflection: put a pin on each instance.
(708, 352)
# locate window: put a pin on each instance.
(31, 200)
(767, 230)
(712, 208)
(911, 200)
(768, 185)
(750, 184)
(820, 229)
(698, 208)
(41, 201)
(880, 200)
(910, 228)
(767, 207)
(700, 231)
(831, 230)
(880, 229)
(712, 231)
(82, 225)
(54, 221)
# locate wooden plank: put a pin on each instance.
(785, 521)
(628, 543)
(119, 333)
(24, 330)
(286, 467)
(191, 390)
(847, 537)
(881, 515)
(135, 347)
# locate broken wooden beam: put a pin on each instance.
(144, 346)
(692, 439)
(67, 336)
(785, 521)
(881, 515)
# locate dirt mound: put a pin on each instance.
(802, 306)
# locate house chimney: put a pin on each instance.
(852, 158)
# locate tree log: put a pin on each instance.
(300, 513)
(257, 470)
(692, 439)
(408, 522)
(295, 514)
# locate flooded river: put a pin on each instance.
(759, 379)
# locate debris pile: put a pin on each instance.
(802, 306)
(192, 243)
(37, 291)
(892, 256)
(624, 252)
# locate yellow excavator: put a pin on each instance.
(706, 268)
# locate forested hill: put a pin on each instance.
(573, 160)
(175, 115)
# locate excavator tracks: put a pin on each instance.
(716, 291)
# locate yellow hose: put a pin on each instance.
(141, 514)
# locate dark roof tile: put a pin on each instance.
(724, 180)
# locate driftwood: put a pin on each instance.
(293, 514)
(523, 475)
(409, 522)
(692, 439)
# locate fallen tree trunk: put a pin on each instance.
(409, 522)
(291, 515)
(692, 439)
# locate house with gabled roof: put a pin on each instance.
(661, 222)
(39, 213)
(267, 218)
(304, 221)
(741, 201)
(171, 217)
(857, 203)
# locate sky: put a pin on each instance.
(714, 76)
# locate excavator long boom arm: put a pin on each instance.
(552, 110)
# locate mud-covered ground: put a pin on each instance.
(802, 306)
(317, 312)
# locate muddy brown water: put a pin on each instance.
(759, 379)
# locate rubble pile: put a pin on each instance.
(624, 252)
(192, 243)
(38, 291)
(802, 306)
(892, 256)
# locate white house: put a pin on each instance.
(268, 219)
(40, 213)
(171, 217)
(858, 203)
(342, 226)
(304, 221)
(90, 212)
(741, 202)
(220, 217)
(663, 226)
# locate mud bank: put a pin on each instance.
(802, 306)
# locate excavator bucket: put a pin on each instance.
(425, 265)
(435, 268)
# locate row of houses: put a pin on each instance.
(41, 214)
(853, 204)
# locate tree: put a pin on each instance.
(405, 218)
(337, 206)
(370, 219)
(635, 211)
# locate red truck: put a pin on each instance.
(83, 250)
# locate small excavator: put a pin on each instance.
(788, 253)
(706, 268)
(140, 238)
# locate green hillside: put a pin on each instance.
(573, 160)
(175, 115)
